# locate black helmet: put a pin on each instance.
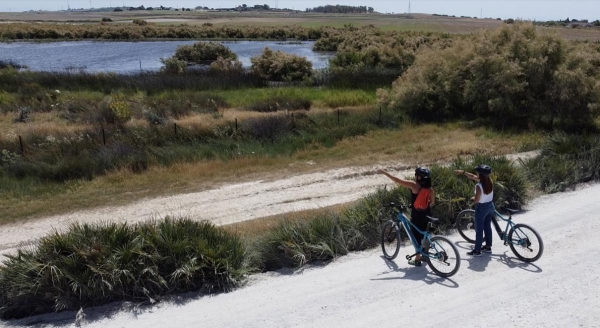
(423, 177)
(423, 172)
(483, 169)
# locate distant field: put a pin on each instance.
(403, 22)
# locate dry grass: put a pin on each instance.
(40, 124)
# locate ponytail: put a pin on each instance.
(486, 183)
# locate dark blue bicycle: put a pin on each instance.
(437, 251)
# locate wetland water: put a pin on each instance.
(126, 57)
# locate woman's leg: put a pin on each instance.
(419, 223)
(479, 224)
(487, 227)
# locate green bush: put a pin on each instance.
(511, 77)
(91, 265)
(279, 66)
(173, 66)
(203, 53)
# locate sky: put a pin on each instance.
(524, 9)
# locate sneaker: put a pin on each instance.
(415, 263)
(486, 249)
(474, 253)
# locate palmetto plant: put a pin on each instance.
(96, 264)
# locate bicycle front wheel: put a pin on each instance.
(465, 224)
(390, 240)
(443, 257)
(525, 243)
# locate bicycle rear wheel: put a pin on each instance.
(443, 257)
(525, 243)
(465, 224)
(390, 240)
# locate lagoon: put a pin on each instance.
(131, 57)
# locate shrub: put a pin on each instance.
(140, 22)
(153, 118)
(90, 265)
(509, 77)
(279, 66)
(173, 66)
(120, 108)
(22, 115)
(226, 65)
(106, 19)
(204, 53)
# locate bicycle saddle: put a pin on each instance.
(432, 219)
(511, 211)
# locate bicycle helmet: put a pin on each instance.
(423, 175)
(483, 169)
(423, 172)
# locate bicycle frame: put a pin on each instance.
(509, 226)
(406, 224)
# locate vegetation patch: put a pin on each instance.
(91, 265)
(512, 77)
(564, 161)
(280, 66)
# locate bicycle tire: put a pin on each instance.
(390, 236)
(526, 245)
(465, 224)
(442, 251)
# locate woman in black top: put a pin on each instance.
(422, 198)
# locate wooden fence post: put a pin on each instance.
(21, 145)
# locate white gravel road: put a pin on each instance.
(363, 290)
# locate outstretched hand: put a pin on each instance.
(381, 171)
(459, 172)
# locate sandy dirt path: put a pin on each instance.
(224, 205)
(227, 204)
(363, 290)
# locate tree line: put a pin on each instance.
(341, 9)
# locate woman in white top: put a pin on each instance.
(484, 210)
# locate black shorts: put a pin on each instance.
(420, 220)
